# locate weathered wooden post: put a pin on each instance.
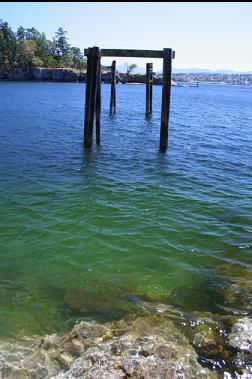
(151, 86)
(87, 96)
(93, 88)
(149, 82)
(98, 102)
(113, 89)
(166, 94)
(93, 64)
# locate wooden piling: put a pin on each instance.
(114, 92)
(93, 88)
(149, 82)
(147, 109)
(91, 92)
(98, 102)
(87, 96)
(151, 86)
(166, 93)
(113, 89)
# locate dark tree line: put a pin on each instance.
(29, 48)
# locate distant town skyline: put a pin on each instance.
(208, 35)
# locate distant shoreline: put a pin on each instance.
(72, 75)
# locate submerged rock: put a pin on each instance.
(241, 339)
(146, 347)
(150, 347)
(25, 360)
(99, 305)
(241, 335)
(238, 292)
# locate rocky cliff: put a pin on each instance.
(66, 75)
(43, 74)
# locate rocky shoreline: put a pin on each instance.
(65, 75)
(141, 347)
(155, 340)
(43, 74)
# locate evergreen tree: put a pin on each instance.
(42, 50)
(32, 34)
(8, 45)
(61, 44)
(30, 48)
(78, 58)
(20, 33)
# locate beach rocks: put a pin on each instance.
(96, 363)
(241, 335)
(241, 339)
(218, 348)
(25, 360)
(238, 292)
(150, 347)
(145, 347)
(211, 346)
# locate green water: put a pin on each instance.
(90, 234)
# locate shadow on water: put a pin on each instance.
(105, 302)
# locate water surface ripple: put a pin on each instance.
(121, 219)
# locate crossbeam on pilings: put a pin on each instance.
(133, 53)
(93, 89)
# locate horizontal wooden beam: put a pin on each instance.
(131, 53)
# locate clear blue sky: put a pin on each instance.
(206, 35)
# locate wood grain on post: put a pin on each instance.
(166, 93)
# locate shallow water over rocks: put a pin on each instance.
(145, 347)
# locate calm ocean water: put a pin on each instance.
(83, 232)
